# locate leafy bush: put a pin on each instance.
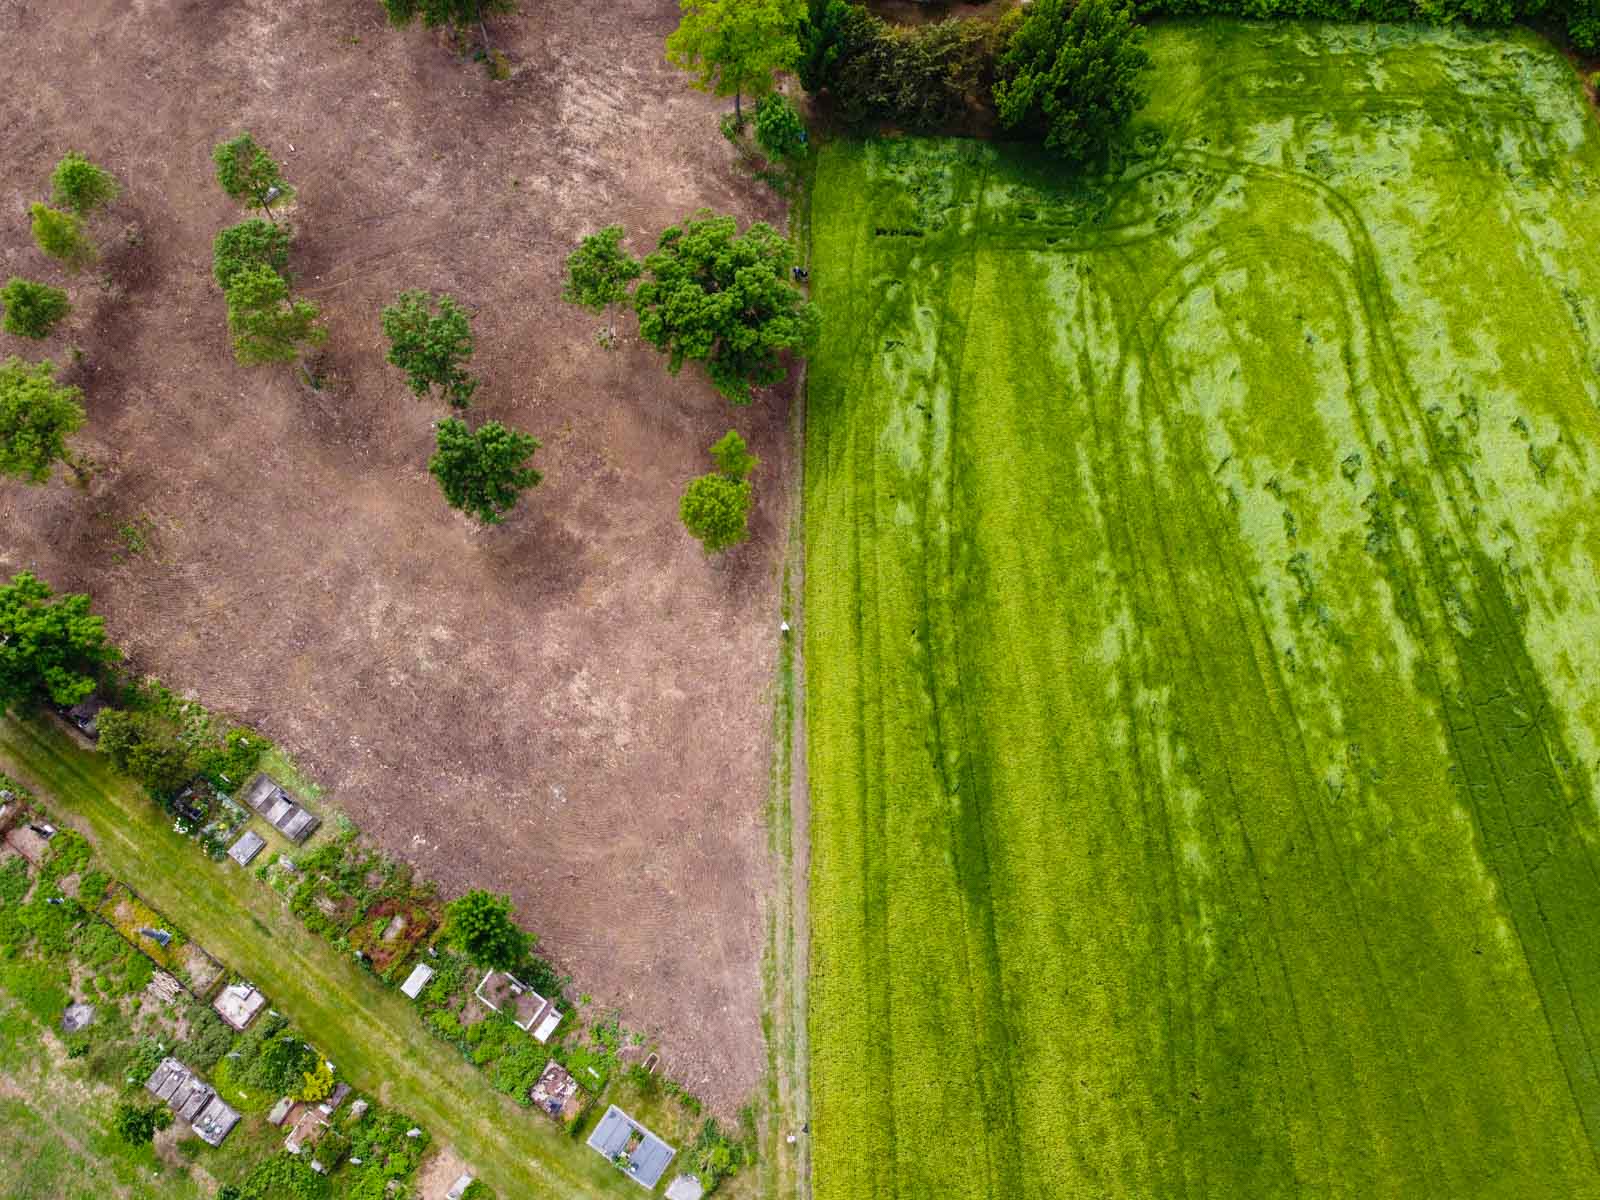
(716, 510)
(430, 338)
(779, 129)
(81, 187)
(136, 1124)
(715, 1155)
(147, 748)
(480, 924)
(61, 235)
(252, 243)
(283, 1177)
(245, 171)
(32, 309)
(207, 1040)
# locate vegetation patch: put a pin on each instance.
(1199, 598)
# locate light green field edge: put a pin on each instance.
(371, 1032)
(1202, 640)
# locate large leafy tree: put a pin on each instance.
(480, 924)
(246, 172)
(483, 472)
(718, 297)
(81, 187)
(147, 748)
(1072, 72)
(37, 415)
(430, 337)
(50, 648)
(61, 235)
(250, 243)
(716, 508)
(733, 47)
(32, 309)
(267, 326)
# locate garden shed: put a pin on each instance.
(267, 797)
(685, 1187)
(193, 1100)
(416, 981)
(238, 1004)
(247, 847)
(640, 1154)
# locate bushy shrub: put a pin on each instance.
(81, 187)
(284, 1177)
(32, 309)
(146, 748)
(779, 130)
(61, 235)
(136, 1124)
(252, 243)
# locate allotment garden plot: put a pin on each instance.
(1202, 640)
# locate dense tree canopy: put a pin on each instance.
(250, 243)
(61, 235)
(714, 296)
(430, 337)
(1072, 72)
(147, 748)
(79, 186)
(832, 34)
(32, 309)
(267, 326)
(50, 648)
(480, 924)
(246, 172)
(37, 415)
(483, 472)
(733, 47)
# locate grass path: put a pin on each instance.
(371, 1032)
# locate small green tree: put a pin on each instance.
(136, 1124)
(430, 337)
(779, 130)
(267, 326)
(724, 299)
(733, 47)
(480, 924)
(61, 235)
(483, 473)
(81, 187)
(146, 748)
(458, 15)
(732, 457)
(716, 509)
(32, 309)
(50, 647)
(245, 171)
(600, 272)
(250, 243)
(37, 415)
(1072, 73)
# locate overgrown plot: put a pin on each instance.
(1201, 637)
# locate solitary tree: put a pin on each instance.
(136, 1124)
(247, 172)
(32, 309)
(1071, 73)
(430, 346)
(600, 272)
(147, 748)
(50, 648)
(37, 415)
(480, 924)
(733, 47)
(250, 243)
(459, 15)
(482, 473)
(61, 235)
(81, 187)
(716, 507)
(724, 299)
(267, 326)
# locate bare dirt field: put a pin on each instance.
(574, 707)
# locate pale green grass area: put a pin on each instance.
(1202, 640)
(370, 1031)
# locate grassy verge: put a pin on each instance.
(371, 1032)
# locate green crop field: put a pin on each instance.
(1203, 640)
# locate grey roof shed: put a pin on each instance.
(247, 847)
(647, 1162)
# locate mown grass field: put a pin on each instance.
(1203, 640)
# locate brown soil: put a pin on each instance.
(573, 707)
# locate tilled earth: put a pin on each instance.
(573, 707)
